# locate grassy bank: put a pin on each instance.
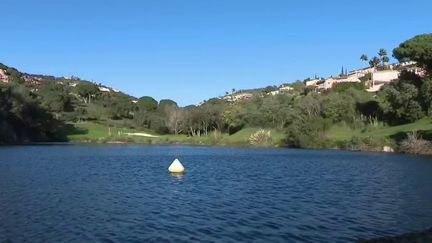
(345, 133)
(337, 137)
(98, 133)
(374, 138)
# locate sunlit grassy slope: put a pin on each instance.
(92, 132)
(339, 132)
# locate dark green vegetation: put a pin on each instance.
(23, 119)
(46, 108)
(417, 49)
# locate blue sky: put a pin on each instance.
(191, 50)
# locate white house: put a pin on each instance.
(273, 93)
(362, 72)
(380, 78)
(326, 84)
(312, 82)
(238, 96)
(285, 89)
(104, 89)
(350, 79)
(3, 77)
(385, 76)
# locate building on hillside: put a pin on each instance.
(312, 82)
(330, 82)
(104, 89)
(238, 97)
(362, 72)
(285, 89)
(273, 93)
(325, 84)
(385, 76)
(380, 78)
(409, 63)
(3, 77)
(32, 80)
(417, 70)
(349, 79)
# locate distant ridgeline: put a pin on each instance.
(349, 110)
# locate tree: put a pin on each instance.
(374, 62)
(339, 107)
(235, 117)
(385, 60)
(55, 97)
(426, 96)
(166, 102)
(400, 102)
(22, 119)
(269, 89)
(418, 49)
(364, 58)
(382, 53)
(87, 90)
(174, 118)
(15, 76)
(147, 103)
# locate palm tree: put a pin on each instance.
(364, 58)
(374, 62)
(383, 56)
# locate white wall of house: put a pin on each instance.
(350, 79)
(385, 76)
(285, 89)
(103, 89)
(327, 84)
(312, 82)
(276, 92)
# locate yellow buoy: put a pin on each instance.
(176, 167)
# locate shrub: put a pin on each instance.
(414, 144)
(261, 138)
(364, 144)
(308, 133)
(215, 137)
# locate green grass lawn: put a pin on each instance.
(341, 132)
(94, 132)
(240, 138)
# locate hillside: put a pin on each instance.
(367, 109)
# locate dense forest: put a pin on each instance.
(46, 108)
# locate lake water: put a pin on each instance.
(124, 193)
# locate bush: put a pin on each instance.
(363, 144)
(414, 144)
(261, 138)
(308, 133)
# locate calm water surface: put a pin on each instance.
(115, 193)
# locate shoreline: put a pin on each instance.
(119, 142)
